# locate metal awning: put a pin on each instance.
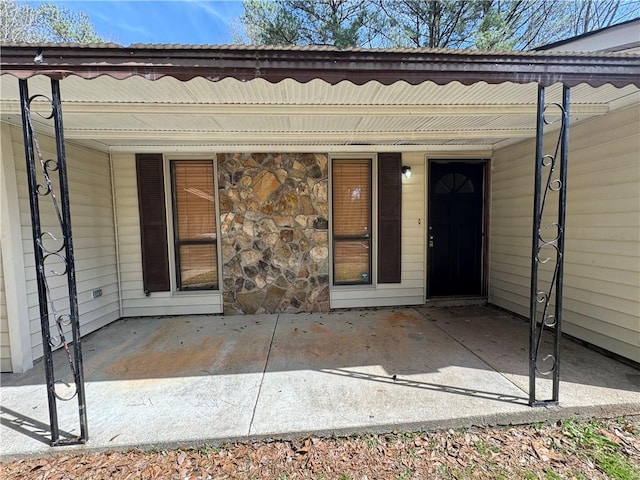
(332, 65)
(203, 98)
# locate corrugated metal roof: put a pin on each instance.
(300, 48)
(304, 64)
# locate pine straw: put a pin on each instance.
(530, 452)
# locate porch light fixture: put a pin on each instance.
(406, 171)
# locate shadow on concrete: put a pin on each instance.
(29, 427)
(403, 341)
(501, 340)
(403, 382)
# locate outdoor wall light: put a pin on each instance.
(406, 171)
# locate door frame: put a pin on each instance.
(484, 260)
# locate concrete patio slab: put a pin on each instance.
(193, 380)
(587, 378)
(149, 381)
(372, 369)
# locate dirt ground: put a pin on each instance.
(596, 449)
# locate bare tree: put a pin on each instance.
(18, 23)
(484, 24)
(588, 15)
(47, 22)
(432, 23)
(523, 24)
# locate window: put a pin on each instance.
(351, 180)
(454, 183)
(194, 217)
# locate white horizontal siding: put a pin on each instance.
(411, 290)
(602, 251)
(134, 300)
(13, 309)
(5, 347)
(382, 296)
(91, 208)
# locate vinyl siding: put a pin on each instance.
(411, 291)
(5, 348)
(602, 252)
(93, 237)
(134, 301)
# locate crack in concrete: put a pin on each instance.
(426, 316)
(264, 371)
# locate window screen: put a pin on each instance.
(351, 181)
(195, 235)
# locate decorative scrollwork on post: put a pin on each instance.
(548, 247)
(54, 259)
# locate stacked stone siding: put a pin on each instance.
(274, 228)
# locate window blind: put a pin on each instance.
(351, 186)
(195, 224)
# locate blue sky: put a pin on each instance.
(161, 21)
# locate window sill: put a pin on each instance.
(195, 293)
(356, 286)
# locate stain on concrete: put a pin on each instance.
(179, 349)
(317, 328)
(154, 362)
(402, 320)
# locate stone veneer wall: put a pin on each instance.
(273, 213)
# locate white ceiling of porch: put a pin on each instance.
(169, 115)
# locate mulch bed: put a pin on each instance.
(599, 449)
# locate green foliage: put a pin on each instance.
(63, 25)
(320, 22)
(616, 466)
(405, 473)
(494, 33)
(604, 452)
(46, 22)
(481, 448)
(371, 441)
(587, 433)
(551, 475)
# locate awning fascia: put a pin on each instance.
(304, 64)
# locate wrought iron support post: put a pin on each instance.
(550, 177)
(57, 250)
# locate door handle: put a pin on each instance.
(430, 241)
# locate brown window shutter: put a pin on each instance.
(389, 217)
(153, 222)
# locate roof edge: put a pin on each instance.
(332, 65)
(559, 43)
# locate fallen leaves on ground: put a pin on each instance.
(562, 450)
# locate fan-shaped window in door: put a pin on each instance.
(454, 183)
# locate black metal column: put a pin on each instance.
(547, 249)
(54, 258)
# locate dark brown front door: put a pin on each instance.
(456, 199)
